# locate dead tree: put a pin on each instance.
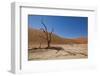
(48, 35)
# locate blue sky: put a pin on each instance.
(64, 26)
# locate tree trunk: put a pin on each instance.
(48, 44)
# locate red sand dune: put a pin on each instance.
(37, 36)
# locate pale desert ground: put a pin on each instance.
(75, 51)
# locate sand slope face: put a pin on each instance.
(36, 36)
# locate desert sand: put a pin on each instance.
(60, 48)
(73, 51)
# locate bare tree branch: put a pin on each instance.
(50, 35)
(44, 25)
(43, 30)
(47, 34)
